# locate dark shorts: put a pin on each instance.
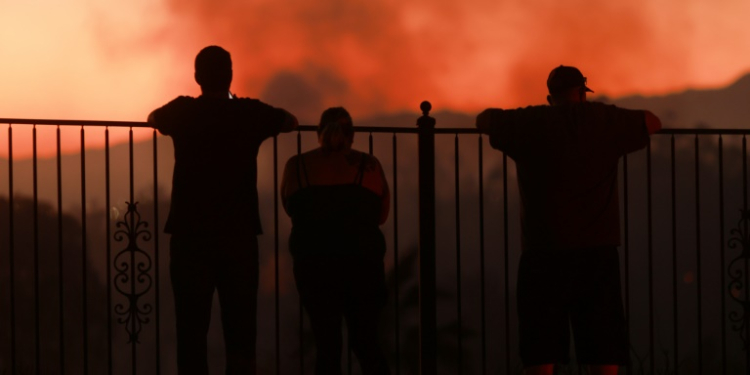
(578, 289)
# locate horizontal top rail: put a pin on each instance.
(26, 121)
(704, 131)
(361, 129)
(398, 129)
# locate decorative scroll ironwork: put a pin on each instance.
(133, 279)
(738, 276)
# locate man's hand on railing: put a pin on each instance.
(485, 119)
(653, 124)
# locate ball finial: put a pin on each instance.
(426, 107)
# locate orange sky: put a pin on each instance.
(99, 59)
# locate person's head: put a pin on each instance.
(213, 69)
(335, 130)
(566, 85)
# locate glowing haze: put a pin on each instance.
(95, 59)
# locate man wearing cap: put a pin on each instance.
(214, 218)
(566, 158)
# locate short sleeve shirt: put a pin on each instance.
(567, 165)
(216, 142)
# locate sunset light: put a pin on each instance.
(83, 59)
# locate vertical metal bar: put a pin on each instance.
(277, 291)
(301, 312)
(108, 204)
(348, 334)
(11, 253)
(84, 255)
(482, 294)
(37, 338)
(745, 228)
(675, 283)
(506, 266)
(721, 259)
(626, 246)
(60, 279)
(699, 283)
(458, 258)
(369, 141)
(427, 243)
(396, 284)
(157, 317)
(652, 362)
(133, 349)
(131, 167)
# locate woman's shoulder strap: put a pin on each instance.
(302, 169)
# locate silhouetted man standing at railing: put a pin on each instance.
(214, 219)
(566, 157)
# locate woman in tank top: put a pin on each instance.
(337, 197)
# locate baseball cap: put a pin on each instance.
(565, 77)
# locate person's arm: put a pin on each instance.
(506, 129)
(271, 120)
(653, 124)
(488, 119)
(167, 118)
(289, 123)
(375, 181)
(152, 119)
(627, 130)
(159, 120)
(385, 201)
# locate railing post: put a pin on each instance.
(427, 295)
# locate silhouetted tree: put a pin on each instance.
(49, 278)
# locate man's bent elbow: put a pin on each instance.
(290, 123)
(653, 124)
(151, 119)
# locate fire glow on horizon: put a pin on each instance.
(84, 59)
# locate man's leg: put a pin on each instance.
(542, 311)
(238, 296)
(193, 281)
(597, 317)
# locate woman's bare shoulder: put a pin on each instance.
(307, 155)
(293, 160)
(355, 157)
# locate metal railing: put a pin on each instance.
(64, 310)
